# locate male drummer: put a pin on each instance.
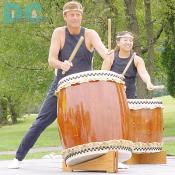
(63, 41)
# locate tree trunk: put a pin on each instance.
(13, 112)
(134, 28)
(150, 42)
(3, 110)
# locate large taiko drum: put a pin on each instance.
(92, 115)
(146, 124)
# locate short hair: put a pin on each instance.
(72, 6)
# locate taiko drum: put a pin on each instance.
(146, 124)
(92, 107)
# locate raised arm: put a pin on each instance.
(97, 44)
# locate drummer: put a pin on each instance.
(119, 59)
(63, 41)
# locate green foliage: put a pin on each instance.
(168, 60)
(168, 56)
(23, 66)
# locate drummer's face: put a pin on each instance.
(73, 18)
(125, 43)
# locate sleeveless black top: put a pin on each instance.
(118, 66)
(83, 58)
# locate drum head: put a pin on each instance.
(94, 150)
(88, 76)
(122, 156)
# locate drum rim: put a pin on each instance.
(144, 100)
(91, 76)
(124, 148)
(142, 147)
(123, 155)
(144, 103)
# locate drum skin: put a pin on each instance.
(92, 111)
(146, 125)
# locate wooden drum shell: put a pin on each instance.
(146, 123)
(91, 112)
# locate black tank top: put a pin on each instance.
(118, 66)
(83, 58)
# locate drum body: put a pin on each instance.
(146, 123)
(92, 107)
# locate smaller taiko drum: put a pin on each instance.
(146, 125)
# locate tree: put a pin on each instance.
(25, 75)
(150, 35)
(168, 56)
(23, 68)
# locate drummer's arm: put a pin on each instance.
(107, 63)
(55, 46)
(143, 73)
(97, 44)
(107, 56)
(54, 50)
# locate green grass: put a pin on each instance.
(168, 115)
(169, 123)
(38, 155)
(10, 136)
(169, 147)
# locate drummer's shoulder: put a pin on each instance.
(91, 32)
(138, 60)
(59, 30)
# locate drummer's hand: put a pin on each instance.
(150, 86)
(110, 57)
(110, 52)
(65, 66)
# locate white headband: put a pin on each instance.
(122, 36)
(75, 9)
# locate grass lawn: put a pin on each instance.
(169, 122)
(10, 136)
(29, 155)
(168, 115)
(169, 147)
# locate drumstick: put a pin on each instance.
(159, 87)
(75, 50)
(109, 34)
(129, 63)
(103, 67)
